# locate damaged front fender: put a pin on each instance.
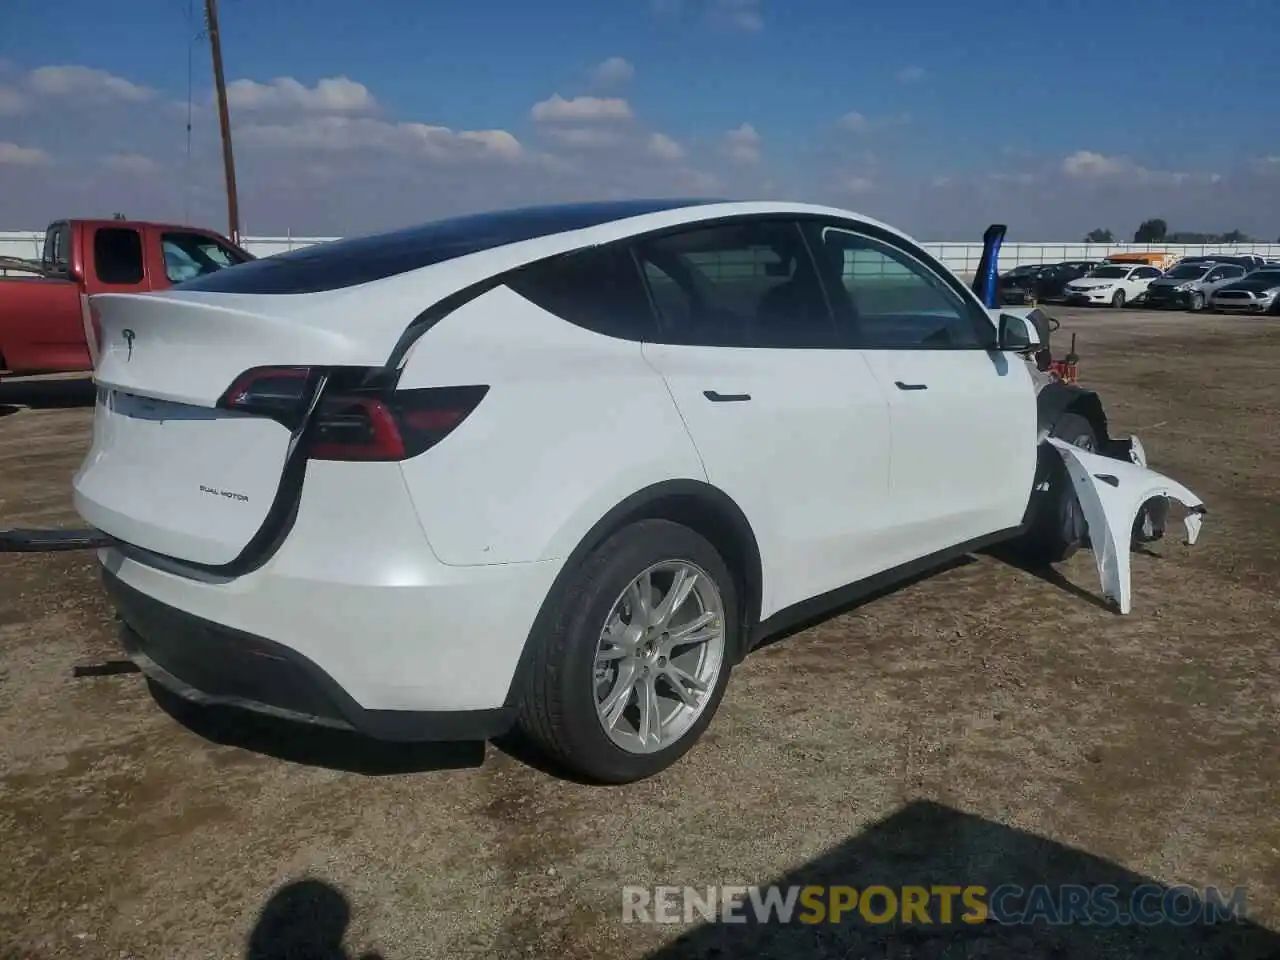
(1113, 494)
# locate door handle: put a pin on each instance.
(910, 386)
(715, 397)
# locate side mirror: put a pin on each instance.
(1016, 334)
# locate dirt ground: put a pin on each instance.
(982, 725)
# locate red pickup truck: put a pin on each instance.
(44, 318)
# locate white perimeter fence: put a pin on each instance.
(960, 257)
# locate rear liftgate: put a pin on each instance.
(354, 414)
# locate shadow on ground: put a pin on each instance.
(1043, 571)
(315, 746)
(304, 920)
(53, 394)
(927, 844)
(923, 845)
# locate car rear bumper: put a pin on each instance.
(207, 663)
(354, 607)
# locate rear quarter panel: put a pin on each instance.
(574, 423)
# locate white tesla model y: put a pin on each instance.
(559, 468)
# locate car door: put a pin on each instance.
(1137, 282)
(963, 415)
(792, 428)
(1219, 276)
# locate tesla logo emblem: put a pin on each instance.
(128, 339)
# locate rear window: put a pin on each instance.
(346, 263)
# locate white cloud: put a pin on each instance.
(743, 144)
(1023, 179)
(911, 74)
(1087, 163)
(857, 122)
(1090, 165)
(663, 147)
(14, 155)
(12, 102)
(329, 95)
(347, 134)
(376, 171)
(74, 81)
(744, 15)
(132, 163)
(585, 138)
(556, 109)
(613, 71)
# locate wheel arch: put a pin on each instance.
(704, 508)
(1058, 399)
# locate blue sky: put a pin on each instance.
(949, 116)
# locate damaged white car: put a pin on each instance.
(562, 468)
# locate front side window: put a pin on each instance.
(749, 283)
(889, 300)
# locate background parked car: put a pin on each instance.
(1018, 285)
(1189, 285)
(1256, 292)
(1114, 283)
(1250, 261)
(1041, 282)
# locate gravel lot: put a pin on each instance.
(982, 725)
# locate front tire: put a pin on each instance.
(621, 685)
(1117, 300)
(1197, 302)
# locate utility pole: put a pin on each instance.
(224, 120)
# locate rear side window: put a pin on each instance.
(117, 255)
(598, 289)
(745, 284)
(56, 259)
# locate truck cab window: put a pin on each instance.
(191, 255)
(117, 255)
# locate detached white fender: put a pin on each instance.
(1112, 494)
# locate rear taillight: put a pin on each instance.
(358, 416)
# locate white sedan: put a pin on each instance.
(1115, 284)
(562, 467)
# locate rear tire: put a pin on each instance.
(1117, 300)
(578, 668)
(1058, 528)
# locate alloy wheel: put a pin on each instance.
(659, 656)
